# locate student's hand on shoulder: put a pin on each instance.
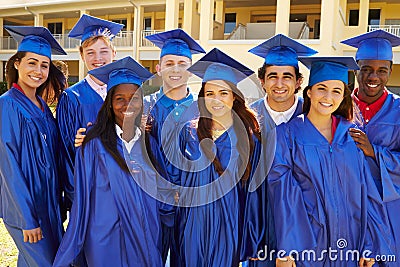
(366, 262)
(32, 235)
(362, 142)
(80, 136)
(176, 197)
(285, 262)
(143, 122)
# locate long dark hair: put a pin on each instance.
(345, 108)
(55, 75)
(56, 84)
(104, 128)
(245, 116)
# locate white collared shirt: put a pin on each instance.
(281, 116)
(128, 145)
(100, 89)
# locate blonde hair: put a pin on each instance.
(90, 41)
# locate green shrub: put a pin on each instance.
(3, 87)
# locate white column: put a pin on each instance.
(138, 13)
(363, 15)
(329, 15)
(282, 16)
(1, 27)
(171, 14)
(81, 64)
(206, 21)
(38, 20)
(1, 62)
(219, 11)
(189, 10)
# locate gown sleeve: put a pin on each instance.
(292, 226)
(258, 230)
(388, 162)
(165, 193)
(66, 121)
(18, 208)
(74, 238)
(378, 239)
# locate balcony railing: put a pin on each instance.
(239, 33)
(251, 31)
(144, 41)
(393, 29)
(123, 39)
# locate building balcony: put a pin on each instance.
(260, 31)
(393, 29)
(123, 39)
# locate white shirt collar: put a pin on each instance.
(100, 89)
(281, 116)
(128, 145)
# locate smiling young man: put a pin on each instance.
(379, 121)
(167, 111)
(281, 79)
(80, 103)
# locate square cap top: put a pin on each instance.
(88, 26)
(175, 42)
(216, 65)
(126, 70)
(37, 40)
(328, 68)
(281, 50)
(375, 45)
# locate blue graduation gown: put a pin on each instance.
(210, 234)
(383, 131)
(259, 233)
(112, 219)
(167, 116)
(29, 186)
(77, 106)
(322, 194)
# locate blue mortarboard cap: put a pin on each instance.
(375, 45)
(328, 68)
(125, 70)
(216, 65)
(175, 42)
(37, 40)
(88, 26)
(281, 50)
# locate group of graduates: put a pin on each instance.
(200, 180)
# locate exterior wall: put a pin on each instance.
(395, 76)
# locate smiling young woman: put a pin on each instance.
(115, 219)
(29, 203)
(226, 138)
(317, 198)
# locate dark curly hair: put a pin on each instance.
(263, 70)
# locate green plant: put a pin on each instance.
(3, 87)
